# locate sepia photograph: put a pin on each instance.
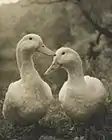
(55, 69)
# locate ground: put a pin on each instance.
(54, 126)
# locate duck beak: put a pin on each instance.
(52, 68)
(46, 51)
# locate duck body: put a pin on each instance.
(80, 102)
(25, 107)
(28, 99)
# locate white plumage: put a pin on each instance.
(80, 96)
(27, 100)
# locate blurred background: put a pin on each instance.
(59, 23)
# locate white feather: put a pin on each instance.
(28, 99)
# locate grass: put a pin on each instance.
(54, 126)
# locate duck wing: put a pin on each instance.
(11, 102)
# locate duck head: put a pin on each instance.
(33, 43)
(64, 58)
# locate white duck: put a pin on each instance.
(81, 96)
(28, 99)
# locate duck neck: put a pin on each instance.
(75, 74)
(25, 64)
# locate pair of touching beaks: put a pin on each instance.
(54, 65)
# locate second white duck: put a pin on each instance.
(81, 96)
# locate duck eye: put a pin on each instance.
(63, 53)
(42, 45)
(30, 38)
